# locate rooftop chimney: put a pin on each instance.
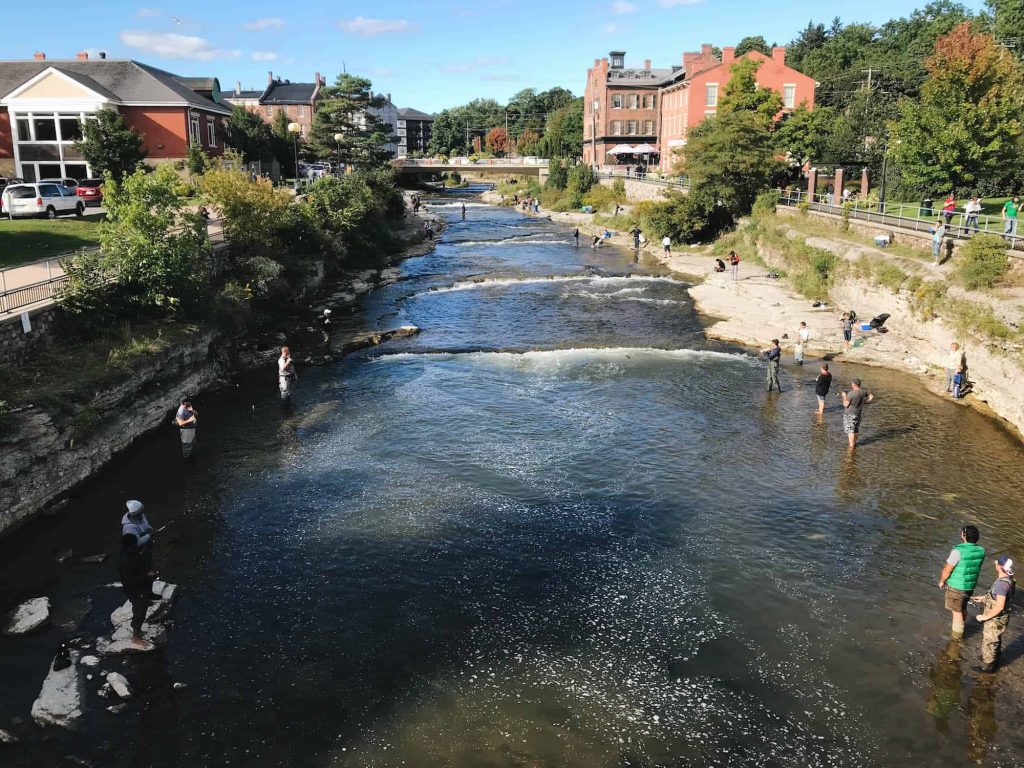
(647, 64)
(39, 56)
(270, 77)
(316, 79)
(103, 54)
(728, 54)
(779, 55)
(690, 63)
(82, 55)
(705, 49)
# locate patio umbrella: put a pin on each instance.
(621, 149)
(646, 149)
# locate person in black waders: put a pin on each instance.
(185, 419)
(135, 566)
(997, 602)
(286, 376)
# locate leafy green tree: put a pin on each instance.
(967, 127)
(563, 132)
(454, 129)
(110, 146)
(343, 109)
(730, 157)
(558, 176)
(755, 43)
(154, 254)
(810, 39)
(806, 136)
(246, 132)
(1008, 21)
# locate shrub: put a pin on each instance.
(558, 176)
(581, 179)
(601, 196)
(765, 204)
(982, 262)
(127, 356)
(890, 276)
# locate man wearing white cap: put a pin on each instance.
(135, 567)
(135, 523)
(998, 603)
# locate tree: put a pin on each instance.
(1007, 21)
(156, 251)
(497, 141)
(110, 146)
(967, 127)
(756, 43)
(527, 142)
(730, 157)
(246, 132)
(807, 136)
(563, 132)
(558, 176)
(345, 109)
(810, 39)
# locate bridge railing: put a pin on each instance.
(916, 218)
(499, 162)
(673, 182)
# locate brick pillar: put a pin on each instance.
(812, 182)
(837, 188)
(864, 184)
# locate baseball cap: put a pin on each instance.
(134, 507)
(1006, 563)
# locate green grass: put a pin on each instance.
(24, 240)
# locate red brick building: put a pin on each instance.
(630, 107)
(296, 100)
(43, 104)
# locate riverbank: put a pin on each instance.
(754, 309)
(44, 457)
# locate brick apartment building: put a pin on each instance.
(628, 106)
(296, 100)
(43, 103)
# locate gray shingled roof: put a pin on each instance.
(413, 114)
(118, 80)
(288, 93)
(634, 77)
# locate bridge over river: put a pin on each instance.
(514, 166)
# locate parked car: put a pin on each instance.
(71, 184)
(41, 199)
(91, 191)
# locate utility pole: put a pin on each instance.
(508, 144)
(869, 72)
(467, 139)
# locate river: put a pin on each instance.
(557, 528)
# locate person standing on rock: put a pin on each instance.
(822, 384)
(802, 335)
(774, 358)
(635, 232)
(666, 244)
(185, 419)
(286, 376)
(853, 404)
(960, 575)
(734, 262)
(576, 236)
(998, 603)
(135, 565)
(847, 330)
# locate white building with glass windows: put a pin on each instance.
(43, 104)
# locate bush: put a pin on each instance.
(558, 176)
(601, 196)
(890, 276)
(765, 204)
(581, 179)
(691, 218)
(982, 262)
(127, 356)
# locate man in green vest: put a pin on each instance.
(960, 575)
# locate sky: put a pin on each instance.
(428, 54)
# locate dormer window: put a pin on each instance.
(618, 59)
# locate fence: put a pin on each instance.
(670, 182)
(917, 218)
(43, 292)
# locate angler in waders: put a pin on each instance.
(997, 604)
(960, 576)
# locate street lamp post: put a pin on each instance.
(337, 143)
(295, 129)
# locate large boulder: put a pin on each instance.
(28, 616)
(60, 699)
(153, 632)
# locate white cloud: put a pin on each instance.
(263, 55)
(147, 13)
(172, 46)
(674, 3)
(478, 63)
(622, 7)
(260, 25)
(611, 29)
(363, 27)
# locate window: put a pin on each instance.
(193, 130)
(617, 61)
(302, 111)
(211, 132)
(711, 95)
(649, 127)
(24, 130)
(269, 110)
(789, 96)
(70, 128)
(616, 101)
(46, 128)
(616, 127)
(631, 101)
(632, 127)
(648, 102)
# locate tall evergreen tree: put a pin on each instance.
(344, 109)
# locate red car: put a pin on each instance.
(91, 191)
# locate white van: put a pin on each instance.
(49, 200)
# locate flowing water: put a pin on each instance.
(558, 528)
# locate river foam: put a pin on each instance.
(595, 280)
(573, 356)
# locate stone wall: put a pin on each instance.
(638, 190)
(16, 345)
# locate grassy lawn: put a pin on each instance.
(24, 240)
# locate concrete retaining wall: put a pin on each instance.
(638, 190)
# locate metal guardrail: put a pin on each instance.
(905, 216)
(14, 299)
(672, 182)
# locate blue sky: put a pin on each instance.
(427, 54)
